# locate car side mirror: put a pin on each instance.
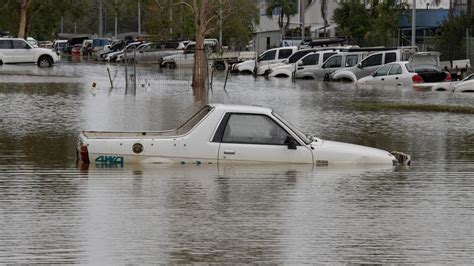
(373, 74)
(292, 143)
(300, 63)
(359, 65)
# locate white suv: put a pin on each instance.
(15, 50)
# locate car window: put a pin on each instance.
(312, 59)
(395, 70)
(284, 53)
(382, 71)
(253, 129)
(351, 60)
(373, 60)
(327, 55)
(270, 55)
(333, 62)
(5, 44)
(390, 57)
(18, 44)
(298, 55)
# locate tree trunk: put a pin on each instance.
(200, 71)
(22, 10)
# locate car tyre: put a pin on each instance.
(169, 65)
(45, 61)
(219, 66)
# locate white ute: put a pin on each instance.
(221, 133)
(18, 51)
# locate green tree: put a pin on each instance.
(370, 23)
(450, 39)
(353, 20)
(286, 9)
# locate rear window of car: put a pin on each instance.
(422, 68)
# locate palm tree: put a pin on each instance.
(287, 8)
(324, 9)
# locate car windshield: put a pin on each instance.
(302, 136)
(421, 68)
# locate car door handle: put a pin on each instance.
(229, 152)
(299, 68)
(383, 79)
(396, 78)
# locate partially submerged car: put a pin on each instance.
(465, 85)
(407, 73)
(227, 134)
(307, 63)
(18, 51)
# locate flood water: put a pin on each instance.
(55, 211)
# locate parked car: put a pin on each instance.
(76, 50)
(340, 60)
(154, 53)
(306, 63)
(372, 62)
(404, 74)
(59, 45)
(227, 134)
(465, 85)
(15, 50)
(112, 57)
(266, 69)
(186, 58)
(275, 55)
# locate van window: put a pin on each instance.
(5, 44)
(372, 60)
(351, 60)
(298, 55)
(333, 62)
(390, 57)
(327, 55)
(284, 53)
(18, 44)
(312, 59)
(270, 55)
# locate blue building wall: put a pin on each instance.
(425, 18)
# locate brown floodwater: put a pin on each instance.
(55, 211)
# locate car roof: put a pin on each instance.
(241, 108)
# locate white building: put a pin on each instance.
(268, 33)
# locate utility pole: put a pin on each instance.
(220, 23)
(100, 19)
(139, 19)
(413, 24)
(116, 8)
(171, 20)
(302, 14)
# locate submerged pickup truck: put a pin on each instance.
(228, 134)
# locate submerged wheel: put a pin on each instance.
(45, 61)
(169, 65)
(219, 66)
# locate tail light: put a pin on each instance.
(417, 79)
(84, 154)
(448, 77)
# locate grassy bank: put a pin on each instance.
(414, 107)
